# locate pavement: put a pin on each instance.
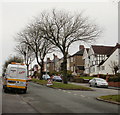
(117, 88)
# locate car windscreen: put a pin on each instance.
(102, 80)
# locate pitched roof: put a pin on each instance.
(79, 53)
(87, 49)
(117, 46)
(102, 49)
(112, 50)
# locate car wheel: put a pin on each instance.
(95, 84)
(90, 85)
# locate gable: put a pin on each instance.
(113, 57)
(85, 53)
(91, 51)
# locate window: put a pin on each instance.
(71, 59)
(103, 68)
(72, 69)
(93, 69)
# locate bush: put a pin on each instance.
(79, 80)
(103, 76)
(118, 74)
(114, 79)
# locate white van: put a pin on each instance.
(15, 77)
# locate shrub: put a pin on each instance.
(79, 80)
(118, 74)
(103, 76)
(114, 79)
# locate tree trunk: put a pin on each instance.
(65, 80)
(41, 68)
(27, 69)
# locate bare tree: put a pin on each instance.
(114, 66)
(33, 38)
(63, 29)
(28, 56)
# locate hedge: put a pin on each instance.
(114, 79)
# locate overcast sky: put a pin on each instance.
(16, 15)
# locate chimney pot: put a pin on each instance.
(81, 47)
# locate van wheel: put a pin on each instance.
(3, 87)
(5, 90)
(24, 90)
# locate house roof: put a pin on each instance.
(79, 53)
(110, 52)
(87, 49)
(102, 49)
(117, 46)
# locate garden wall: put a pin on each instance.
(114, 84)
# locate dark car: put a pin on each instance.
(57, 78)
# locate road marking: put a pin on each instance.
(74, 94)
(82, 95)
(69, 92)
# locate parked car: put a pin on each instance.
(98, 82)
(46, 77)
(57, 78)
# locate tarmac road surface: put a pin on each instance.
(41, 99)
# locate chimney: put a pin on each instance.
(81, 47)
(55, 56)
(48, 59)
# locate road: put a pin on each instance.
(41, 99)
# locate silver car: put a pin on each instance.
(46, 77)
(98, 82)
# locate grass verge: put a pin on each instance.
(87, 78)
(60, 85)
(112, 98)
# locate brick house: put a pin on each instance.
(49, 65)
(76, 63)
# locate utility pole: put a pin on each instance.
(119, 32)
(46, 66)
